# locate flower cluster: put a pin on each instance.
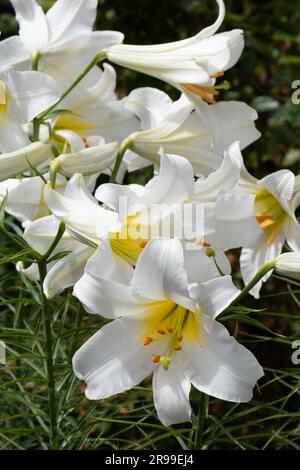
(151, 259)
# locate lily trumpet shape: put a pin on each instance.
(191, 64)
(14, 163)
(277, 197)
(62, 41)
(23, 95)
(165, 326)
(201, 135)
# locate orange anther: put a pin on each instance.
(147, 340)
(143, 244)
(217, 75)
(267, 223)
(155, 358)
(161, 331)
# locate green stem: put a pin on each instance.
(58, 237)
(263, 270)
(36, 130)
(19, 244)
(54, 168)
(122, 151)
(42, 265)
(49, 357)
(200, 422)
(100, 56)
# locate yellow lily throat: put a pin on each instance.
(269, 214)
(172, 324)
(3, 99)
(73, 122)
(124, 245)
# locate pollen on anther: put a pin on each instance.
(178, 347)
(161, 331)
(143, 244)
(170, 330)
(155, 358)
(204, 244)
(180, 338)
(147, 340)
(217, 75)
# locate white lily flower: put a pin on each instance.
(23, 95)
(288, 264)
(200, 135)
(128, 232)
(84, 217)
(89, 161)
(25, 196)
(40, 234)
(163, 326)
(63, 273)
(31, 272)
(94, 111)
(14, 163)
(276, 201)
(62, 40)
(190, 64)
(229, 220)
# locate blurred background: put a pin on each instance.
(262, 78)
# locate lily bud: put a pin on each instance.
(288, 264)
(14, 163)
(87, 162)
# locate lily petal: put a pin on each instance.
(215, 295)
(33, 25)
(236, 224)
(281, 185)
(171, 395)
(104, 287)
(160, 273)
(88, 161)
(222, 368)
(67, 271)
(14, 163)
(114, 359)
(253, 257)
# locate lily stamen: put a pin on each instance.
(203, 91)
(147, 340)
(155, 358)
(161, 331)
